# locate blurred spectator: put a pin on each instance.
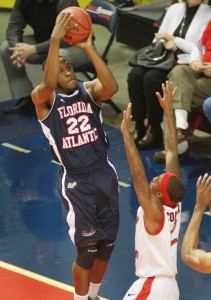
(19, 48)
(194, 84)
(180, 30)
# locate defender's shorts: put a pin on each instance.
(153, 288)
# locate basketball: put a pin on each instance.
(80, 25)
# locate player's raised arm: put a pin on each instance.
(105, 85)
(170, 133)
(196, 258)
(43, 92)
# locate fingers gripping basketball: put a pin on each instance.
(80, 25)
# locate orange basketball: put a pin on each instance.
(80, 25)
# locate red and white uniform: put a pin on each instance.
(156, 258)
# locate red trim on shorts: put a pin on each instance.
(146, 289)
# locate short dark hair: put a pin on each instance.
(176, 189)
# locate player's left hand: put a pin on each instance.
(62, 25)
(126, 121)
(203, 191)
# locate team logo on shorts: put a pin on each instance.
(71, 185)
(88, 232)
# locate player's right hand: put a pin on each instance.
(62, 25)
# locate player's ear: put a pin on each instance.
(159, 195)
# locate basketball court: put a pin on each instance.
(36, 254)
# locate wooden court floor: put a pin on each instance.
(36, 254)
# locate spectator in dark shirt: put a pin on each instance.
(19, 48)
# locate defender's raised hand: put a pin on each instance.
(62, 25)
(168, 95)
(203, 191)
(126, 121)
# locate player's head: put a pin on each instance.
(169, 188)
(66, 82)
(172, 189)
(61, 61)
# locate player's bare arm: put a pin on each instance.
(170, 133)
(42, 95)
(198, 259)
(105, 85)
(152, 208)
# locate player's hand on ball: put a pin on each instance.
(80, 25)
(62, 25)
(86, 43)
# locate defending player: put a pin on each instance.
(70, 115)
(158, 217)
(196, 258)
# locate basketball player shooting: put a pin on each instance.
(158, 217)
(69, 112)
(80, 25)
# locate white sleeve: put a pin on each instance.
(195, 55)
(184, 45)
(187, 46)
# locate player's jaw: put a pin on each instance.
(67, 85)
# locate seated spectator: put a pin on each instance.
(194, 84)
(207, 108)
(19, 48)
(180, 30)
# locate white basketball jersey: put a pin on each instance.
(156, 254)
